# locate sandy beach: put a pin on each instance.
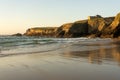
(60, 40)
(70, 63)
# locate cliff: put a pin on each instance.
(62, 31)
(79, 29)
(98, 24)
(94, 26)
(113, 30)
(76, 29)
(41, 31)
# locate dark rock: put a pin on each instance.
(18, 34)
(63, 30)
(76, 29)
(79, 29)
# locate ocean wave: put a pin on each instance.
(11, 45)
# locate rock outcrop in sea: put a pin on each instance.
(94, 26)
(17, 34)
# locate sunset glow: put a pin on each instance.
(19, 15)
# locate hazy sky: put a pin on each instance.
(19, 15)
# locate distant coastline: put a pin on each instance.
(94, 26)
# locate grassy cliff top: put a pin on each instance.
(37, 28)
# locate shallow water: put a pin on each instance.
(12, 45)
(33, 58)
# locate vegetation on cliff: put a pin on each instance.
(41, 31)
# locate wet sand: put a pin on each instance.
(71, 63)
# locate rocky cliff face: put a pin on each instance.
(76, 29)
(113, 30)
(63, 30)
(116, 22)
(79, 28)
(96, 26)
(92, 26)
(41, 31)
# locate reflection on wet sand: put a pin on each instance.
(98, 56)
(76, 62)
(52, 66)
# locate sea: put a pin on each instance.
(15, 45)
(66, 58)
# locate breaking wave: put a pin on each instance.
(12, 45)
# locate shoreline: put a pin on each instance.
(56, 66)
(69, 59)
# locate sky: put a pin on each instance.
(16, 16)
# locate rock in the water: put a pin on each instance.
(18, 34)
